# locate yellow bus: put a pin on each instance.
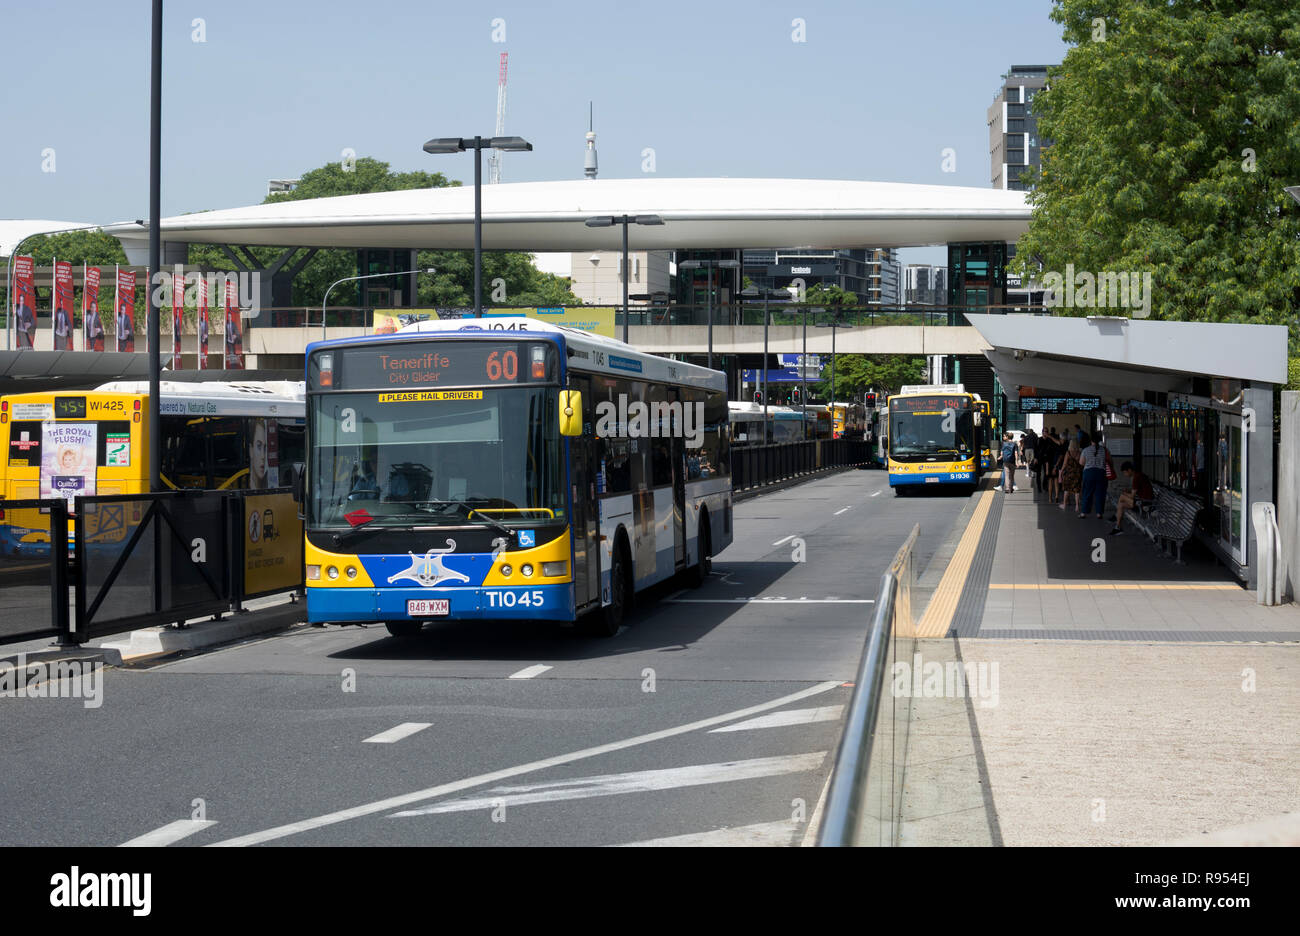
(933, 437)
(216, 435)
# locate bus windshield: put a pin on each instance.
(925, 428)
(487, 456)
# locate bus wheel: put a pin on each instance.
(704, 560)
(606, 621)
(404, 628)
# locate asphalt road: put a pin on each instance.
(711, 718)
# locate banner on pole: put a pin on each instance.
(203, 323)
(91, 325)
(24, 302)
(126, 311)
(234, 337)
(62, 313)
(178, 314)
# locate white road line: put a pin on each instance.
(875, 493)
(404, 730)
(637, 781)
(768, 601)
(171, 832)
(394, 802)
(803, 716)
(759, 835)
(529, 672)
(785, 540)
(842, 510)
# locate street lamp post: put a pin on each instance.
(754, 292)
(709, 265)
(625, 220)
(351, 279)
(834, 325)
(510, 144)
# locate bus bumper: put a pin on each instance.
(344, 605)
(938, 477)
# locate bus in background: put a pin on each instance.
(932, 437)
(517, 470)
(987, 430)
(848, 420)
(745, 421)
(216, 435)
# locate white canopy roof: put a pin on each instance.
(13, 232)
(549, 216)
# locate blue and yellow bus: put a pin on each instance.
(933, 437)
(516, 469)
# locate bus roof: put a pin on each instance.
(220, 397)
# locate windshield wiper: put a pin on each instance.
(461, 505)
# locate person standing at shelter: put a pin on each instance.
(1094, 459)
(1045, 456)
(1071, 476)
(1028, 446)
(1008, 463)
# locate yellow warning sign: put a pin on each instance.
(430, 396)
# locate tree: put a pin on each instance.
(1173, 134)
(884, 373)
(823, 294)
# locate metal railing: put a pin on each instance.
(864, 803)
(754, 466)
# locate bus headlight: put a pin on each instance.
(332, 572)
(506, 571)
(552, 569)
(352, 572)
(313, 573)
(527, 570)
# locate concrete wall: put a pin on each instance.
(1288, 489)
(599, 282)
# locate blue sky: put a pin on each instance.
(875, 92)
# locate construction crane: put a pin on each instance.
(494, 161)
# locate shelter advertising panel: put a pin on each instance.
(68, 459)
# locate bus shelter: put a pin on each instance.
(1191, 404)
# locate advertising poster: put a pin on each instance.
(63, 324)
(234, 338)
(203, 323)
(24, 303)
(178, 310)
(126, 311)
(67, 459)
(94, 328)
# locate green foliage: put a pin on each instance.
(857, 373)
(451, 286)
(91, 247)
(824, 295)
(1172, 140)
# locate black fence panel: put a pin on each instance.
(146, 559)
(33, 569)
(755, 466)
(266, 536)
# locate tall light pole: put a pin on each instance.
(834, 325)
(510, 144)
(709, 266)
(625, 220)
(753, 292)
(350, 279)
(155, 244)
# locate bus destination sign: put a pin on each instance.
(412, 366)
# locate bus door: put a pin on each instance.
(582, 478)
(679, 485)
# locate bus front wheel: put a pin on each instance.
(404, 628)
(606, 621)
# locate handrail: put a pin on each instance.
(846, 799)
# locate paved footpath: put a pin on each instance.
(1134, 701)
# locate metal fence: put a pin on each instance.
(33, 569)
(754, 466)
(138, 560)
(864, 804)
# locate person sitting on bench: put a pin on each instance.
(1138, 494)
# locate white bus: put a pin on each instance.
(506, 468)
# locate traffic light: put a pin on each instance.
(758, 396)
(794, 396)
(871, 401)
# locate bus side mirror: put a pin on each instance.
(298, 480)
(979, 418)
(570, 412)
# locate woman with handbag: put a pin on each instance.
(1071, 474)
(1097, 470)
